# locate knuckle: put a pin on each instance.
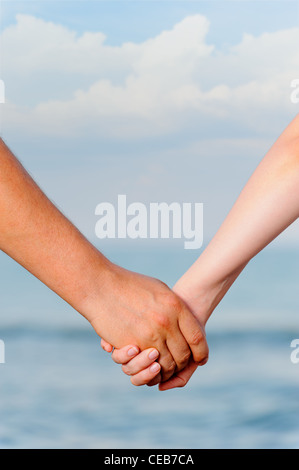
(172, 302)
(196, 338)
(184, 359)
(115, 358)
(206, 351)
(204, 361)
(150, 335)
(125, 369)
(170, 366)
(162, 320)
(203, 356)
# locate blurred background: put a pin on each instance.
(162, 101)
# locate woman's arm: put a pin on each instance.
(267, 205)
(122, 306)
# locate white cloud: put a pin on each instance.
(62, 84)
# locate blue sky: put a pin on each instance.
(136, 20)
(159, 100)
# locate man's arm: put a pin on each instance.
(122, 306)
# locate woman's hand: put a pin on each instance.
(141, 366)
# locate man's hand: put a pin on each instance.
(139, 310)
(141, 366)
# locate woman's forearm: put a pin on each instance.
(268, 204)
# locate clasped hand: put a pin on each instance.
(154, 334)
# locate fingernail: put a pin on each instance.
(132, 352)
(155, 367)
(153, 354)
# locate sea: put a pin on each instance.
(59, 390)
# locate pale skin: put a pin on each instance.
(267, 205)
(123, 307)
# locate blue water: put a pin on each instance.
(59, 390)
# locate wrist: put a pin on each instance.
(94, 284)
(201, 294)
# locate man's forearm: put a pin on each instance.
(38, 236)
(122, 306)
(268, 204)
